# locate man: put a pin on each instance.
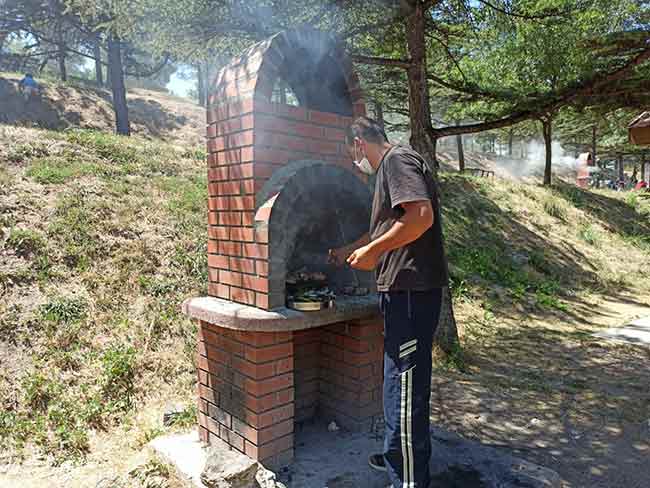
(405, 248)
(28, 86)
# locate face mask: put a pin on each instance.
(364, 165)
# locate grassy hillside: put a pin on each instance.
(153, 114)
(102, 237)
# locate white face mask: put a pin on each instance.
(364, 165)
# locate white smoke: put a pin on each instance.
(563, 164)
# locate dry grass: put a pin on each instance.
(102, 237)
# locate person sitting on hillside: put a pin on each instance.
(28, 86)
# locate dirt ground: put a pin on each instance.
(546, 391)
(557, 397)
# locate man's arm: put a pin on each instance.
(340, 255)
(417, 219)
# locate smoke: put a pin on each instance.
(532, 165)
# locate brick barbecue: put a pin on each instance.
(281, 193)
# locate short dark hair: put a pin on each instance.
(367, 129)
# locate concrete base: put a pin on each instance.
(637, 332)
(185, 452)
(339, 460)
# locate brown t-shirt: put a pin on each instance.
(403, 177)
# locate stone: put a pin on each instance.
(267, 479)
(229, 469)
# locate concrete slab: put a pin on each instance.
(185, 452)
(636, 332)
(231, 315)
(339, 459)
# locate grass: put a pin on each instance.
(90, 306)
(118, 244)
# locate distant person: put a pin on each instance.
(28, 87)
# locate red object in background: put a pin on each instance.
(640, 185)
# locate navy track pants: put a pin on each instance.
(410, 321)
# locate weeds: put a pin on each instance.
(555, 208)
(25, 242)
(589, 234)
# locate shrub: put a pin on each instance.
(64, 310)
(118, 364)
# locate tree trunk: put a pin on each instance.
(643, 175)
(547, 130)
(511, 137)
(63, 72)
(379, 114)
(461, 152)
(621, 168)
(116, 74)
(422, 139)
(593, 144)
(200, 75)
(99, 73)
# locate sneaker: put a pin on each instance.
(376, 461)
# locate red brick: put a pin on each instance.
(259, 251)
(208, 394)
(219, 290)
(242, 203)
(228, 188)
(253, 370)
(262, 235)
(268, 402)
(216, 261)
(220, 233)
(218, 203)
(261, 268)
(233, 156)
(240, 139)
(248, 187)
(242, 296)
(309, 130)
(265, 170)
(262, 300)
(220, 112)
(241, 107)
(269, 385)
(230, 248)
(216, 144)
(213, 246)
(242, 265)
(290, 142)
(211, 131)
(247, 122)
(273, 448)
(203, 434)
(297, 113)
(263, 213)
(324, 118)
(220, 415)
(256, 283)
(229, 126)
(232, 439)
(215, 354)
(218, 174)
(230, 278)
(247, 219)
(269, 353)
(230, 218)
(212, 159)
(334, 134)
(246, 154)
(213, 218)
(271, 417)
(323, 147)
(241, 171)
(246, 234)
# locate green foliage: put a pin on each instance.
(589, 234)
(118, 364)
(64, 310)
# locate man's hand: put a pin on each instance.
(364, 259)
(337, 257)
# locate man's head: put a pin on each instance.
(366, 139)
(28, 75)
